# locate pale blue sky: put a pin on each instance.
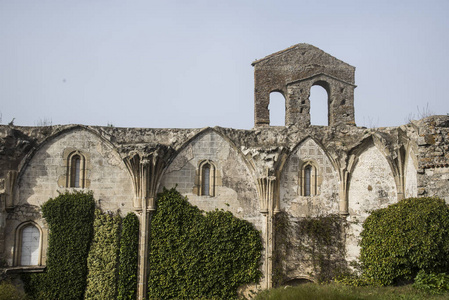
(188, 63)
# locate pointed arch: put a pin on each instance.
(309, 180)
(218, 130)
(325, 151)
(66, 129)
(369, 186)
(209, 164)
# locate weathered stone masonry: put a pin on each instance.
(298, 169)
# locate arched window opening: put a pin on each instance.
(206, 178)
(30, 242)
(277, 109)
(319, 105)
(76, 170)
(76, 165)
(309, 180)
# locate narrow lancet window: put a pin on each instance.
(206, 180)
(307, 180)
(76, 171)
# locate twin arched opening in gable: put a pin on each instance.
(317, 105)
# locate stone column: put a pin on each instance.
(146, 168)
(269, 206)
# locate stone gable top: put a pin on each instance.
(302, 61)
(309, 53)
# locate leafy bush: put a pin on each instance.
(404, 238)
(70, 218)
(196, 256)
(432, 282)
(129, 250)
(103, 257)
(9, 292)
(311, 291)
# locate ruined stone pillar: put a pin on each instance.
(146, 167)
(269, 206)
(344, 205)
(143, 253)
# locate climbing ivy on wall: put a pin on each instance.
(196, 255)
(103, 257)
(322, 240)
(129, 246)
(70, 218)
(283, 246)
(318, 241)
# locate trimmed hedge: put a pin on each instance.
(103, 257)
(70, 218)
(129, 250)
(200, 256)
(404, 238)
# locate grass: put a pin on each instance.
(310, 291)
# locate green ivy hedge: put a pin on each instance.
(404, 238)
(193, 255)
(103, 257)
(70, 218)
(129, 250)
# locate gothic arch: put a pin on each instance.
(231, 182)
(322, 182)
(46, 171)
(24, 163)
(249, 163)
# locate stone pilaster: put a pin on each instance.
(146, 167)
(269, 206)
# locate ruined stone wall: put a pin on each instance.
(433, 156)
(360, 166)
(43, 177)
(257, 174)
(292, 72)
(372, 186)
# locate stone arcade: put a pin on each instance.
(300, 169)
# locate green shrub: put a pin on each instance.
(103, 257)
(404, 238)
(432, 282)
(70, 218)
(9, 292)
(129, 250)
(200, 256)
